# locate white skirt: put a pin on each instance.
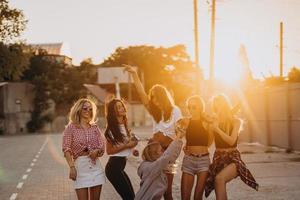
(88, 173)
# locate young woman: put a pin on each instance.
(82, 145)
(120, 144)
(227, 163)
(196, 159)
(165, 114)
(151, 170)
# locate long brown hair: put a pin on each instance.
(165, 99)
(113, 133)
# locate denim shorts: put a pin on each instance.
(193, 165)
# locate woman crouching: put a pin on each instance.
(154, 182)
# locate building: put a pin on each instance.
(59, 52)
(16, 105)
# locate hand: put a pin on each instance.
(131, 144)
(73, 173)
(94, 154)
(180, 127)
(185, 150)
(135, 152)
(100, 152)
(130, 69)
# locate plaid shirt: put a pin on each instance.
(222, 159)
(76, 139)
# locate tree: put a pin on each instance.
(12, 22)
(14, 60)
(158, 64)
(58, 83)
(294, 75)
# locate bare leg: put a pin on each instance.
(82, 193)
(168, 193)
(200, 185)
(187, 182)
(95, 192)
(226, 175)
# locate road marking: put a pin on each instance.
(25, 176)
(28, 170)
(20, 185)
(34, 160)
(32, 164)
(13, 196)
(37, 156)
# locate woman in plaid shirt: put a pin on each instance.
(227, 163)
(82, 145)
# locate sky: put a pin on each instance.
(95, 28)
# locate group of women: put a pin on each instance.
(83, 143)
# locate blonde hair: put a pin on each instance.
(222, 105)
(150, 152)
(74, 116)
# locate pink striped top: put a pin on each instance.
(76, 139)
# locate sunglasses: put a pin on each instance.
(87, 109)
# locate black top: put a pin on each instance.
(220, 143)
(196, 134)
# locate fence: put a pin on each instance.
(273, 116)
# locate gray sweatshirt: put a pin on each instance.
(154, 182)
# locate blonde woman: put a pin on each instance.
(227, 163)
(196, 160)
(154, 181)
(82, 145)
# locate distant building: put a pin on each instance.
(59, 52)
(16, 105)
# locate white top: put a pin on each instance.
(125, 152)
(168, 127)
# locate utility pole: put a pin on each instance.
(196, 33)
(281, 50)
(212, 43)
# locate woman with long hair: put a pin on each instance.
(165, 114)
(82, 145)
(119, 145)
(227, 163)
(196, 159)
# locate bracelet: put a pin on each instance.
(72, 166)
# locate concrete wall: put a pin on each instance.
(273, 116)
(16, 105)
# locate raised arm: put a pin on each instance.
(230, 139)
(138, 84)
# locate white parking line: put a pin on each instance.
(20, 185)
(34, 160)
(28, 170)
(37, 156)
(32, 164)
(25, 176)
(13, 196)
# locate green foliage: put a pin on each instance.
(158, 65)
(56, 81)
(14, 60)
(12, 22)
(294, 75)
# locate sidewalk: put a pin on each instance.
(277, 172)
